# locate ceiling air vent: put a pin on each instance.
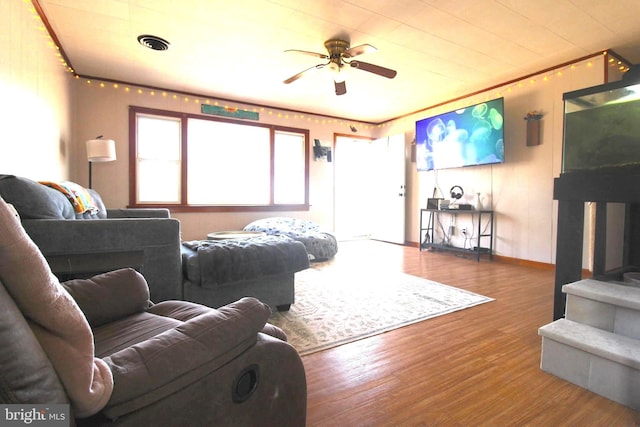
(153, 42)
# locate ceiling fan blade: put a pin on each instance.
(297, 76)
(359, 50)
(341, 87)
(306, 52)
(375, 69)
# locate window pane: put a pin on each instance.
(228, 164)
(158, 159)
(158, 138)
(162, 185)
(289, 174)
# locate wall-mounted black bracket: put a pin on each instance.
(320, 152)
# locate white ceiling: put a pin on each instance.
(235, 50)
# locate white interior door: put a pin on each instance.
(370, 188)
(353, 170)
(389, 182)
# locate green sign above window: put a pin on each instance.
(230, 112)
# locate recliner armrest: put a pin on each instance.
(153, 369)
(184, 310)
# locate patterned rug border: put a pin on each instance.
(303, 279)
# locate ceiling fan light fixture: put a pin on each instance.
(153, 42)
(340, 60)
(338, 72)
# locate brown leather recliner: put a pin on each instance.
(168, 364)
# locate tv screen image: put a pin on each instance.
(466, 137)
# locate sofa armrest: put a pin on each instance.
(154, 369)
(138, 213)
(84, 248)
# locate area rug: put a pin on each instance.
(332, 309)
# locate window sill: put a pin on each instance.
(244, 208)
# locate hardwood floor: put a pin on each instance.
(475, 367)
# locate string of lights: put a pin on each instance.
(613, 62)
(181, 97)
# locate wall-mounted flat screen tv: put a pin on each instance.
(466, 137)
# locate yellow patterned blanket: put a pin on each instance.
(79, 196)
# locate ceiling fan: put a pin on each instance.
(340, 54)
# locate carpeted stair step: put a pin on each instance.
(609, 306)
(600, 361)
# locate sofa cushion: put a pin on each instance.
(33, 200)
(121, 334)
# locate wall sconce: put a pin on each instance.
(100, 150)
(319, 151)
(533, 128)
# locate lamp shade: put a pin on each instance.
(101, 150)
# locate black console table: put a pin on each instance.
(429, 228)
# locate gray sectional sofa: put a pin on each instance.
(80, 245)
(93, 241)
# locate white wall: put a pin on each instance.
(35, 107)
(103, 110)
(520, 190)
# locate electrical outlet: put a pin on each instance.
(463, 231)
